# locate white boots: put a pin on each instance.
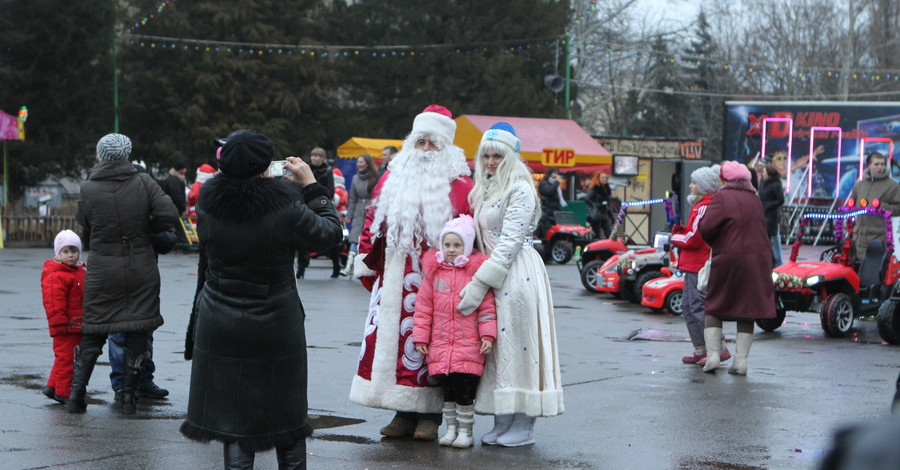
(449, 418)
(459, 419)
(348, 268)
(465, 414)
(519, 433)
(741, 354)
(713, 338)
(501, 425)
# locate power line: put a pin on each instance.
(733, 95)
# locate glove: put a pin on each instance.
(472, 295)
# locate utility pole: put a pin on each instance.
(115, 55)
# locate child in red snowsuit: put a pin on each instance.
(454, 344)
(62, 286)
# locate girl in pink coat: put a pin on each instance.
(454, 344)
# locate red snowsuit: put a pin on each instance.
(62, 287)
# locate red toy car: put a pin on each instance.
(607, 276)
(665, 293)
(593, 257)
(836, 286)
(560, 241)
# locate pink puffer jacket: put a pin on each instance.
(453, 340)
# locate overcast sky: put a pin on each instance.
(676, 12)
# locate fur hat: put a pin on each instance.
(732, 171)
(246, 153)
(706, 179)
(339, 180)
(114, 147)
(464, 226)
(64, 239)
(503, 132)
(436, 121)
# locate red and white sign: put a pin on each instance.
(558, 157)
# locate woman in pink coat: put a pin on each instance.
(454, 344)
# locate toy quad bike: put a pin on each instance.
(559, 242)
(836, 286)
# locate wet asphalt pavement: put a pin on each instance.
(630, 402)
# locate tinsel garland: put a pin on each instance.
(795, 247)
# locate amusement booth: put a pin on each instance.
(646, 168)
(545, 142)
(350, 150)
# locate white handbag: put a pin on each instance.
(703, 276)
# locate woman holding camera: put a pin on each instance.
(248, 378)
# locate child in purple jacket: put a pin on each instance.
(454, 344)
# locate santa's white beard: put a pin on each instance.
(415, 200)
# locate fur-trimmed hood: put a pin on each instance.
(228, 198)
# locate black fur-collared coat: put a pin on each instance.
(248, 377)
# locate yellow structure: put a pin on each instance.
(357, 146)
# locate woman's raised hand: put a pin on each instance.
(301, 173)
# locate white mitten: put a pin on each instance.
(472, 295)
(360, 269)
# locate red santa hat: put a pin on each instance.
(339, 180)
(204, 173)
(436, 121)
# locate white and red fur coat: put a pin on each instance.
(391, 374)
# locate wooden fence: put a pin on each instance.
(36, 231)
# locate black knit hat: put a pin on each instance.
(246, 153)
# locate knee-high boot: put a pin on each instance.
(237, 458)
(713, 338)
(125, 399)
(85, 359)
(741, 353)
(292, 458)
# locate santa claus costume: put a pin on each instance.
(426, 185)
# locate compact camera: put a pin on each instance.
(277, 170)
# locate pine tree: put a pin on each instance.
(55, 59)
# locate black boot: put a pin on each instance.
(237, 458)
(84, 367)
(125, 398)
(335, 267)
(292, 458)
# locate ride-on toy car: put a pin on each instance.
(593, 257)
(836, 286)
(638, 267)
(665, 293)
(560, 241)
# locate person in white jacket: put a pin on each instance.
(521, 380)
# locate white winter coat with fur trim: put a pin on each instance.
(521, 375)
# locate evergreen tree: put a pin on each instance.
(492, 60)
(176, 100)
(55, 59)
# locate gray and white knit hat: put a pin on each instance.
(706, 179)
(114, 147)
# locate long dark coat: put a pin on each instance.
(122, 208)
(771, 193)
(248, 377)
(740, 278)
